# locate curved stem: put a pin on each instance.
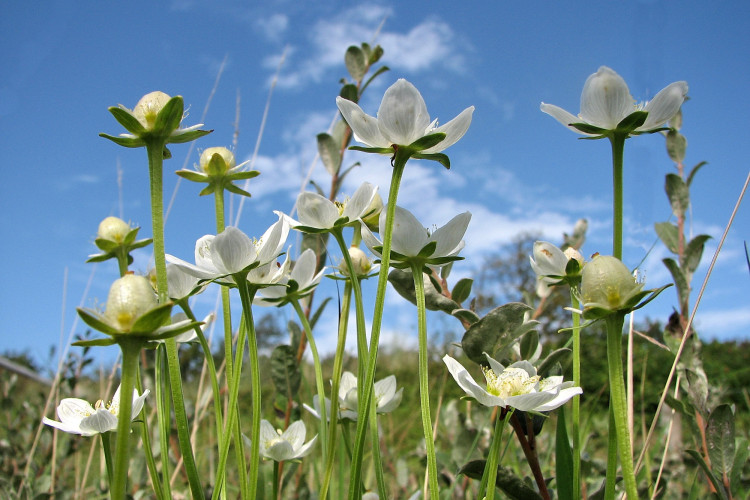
(424, 383)
(399, 164)
(618, 403)
(130, 351)
(107, 447)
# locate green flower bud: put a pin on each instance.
(129, 298)
(148, 107)
(216, 168)
(113, 229)
(360, 262)
(607, 286)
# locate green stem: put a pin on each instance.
(576, 399)
(424, 383)
(163, 416)
(155, 151)
(611, 478)
(618, 402)
(146, 438)
(107, 447)
(399, 163)
(318, 372)
(276, 479)
(122, 261)
(247, 293)
(130, 350)
(494, 454)
(618, 150)
(338, 365)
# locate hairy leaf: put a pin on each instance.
(284, 371)
(496, 332)
(720, 439)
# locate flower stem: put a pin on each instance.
(107, 447)
(618, 150)
(162, 414)
(399, 164)
(247, 293)
(494, 454)
(130, 350)
(424, 382)
(155, 151)
(618, 404)
(146, 439)
(575, 305)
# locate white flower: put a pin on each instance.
(79, 417)
(317, 212)
(299, 282)
(402, 119)
(387, 398)
(606, 101)
(180, 284)
(548, 262)
(410, 238)
(287, 445)
(232, 252)
(517, 386)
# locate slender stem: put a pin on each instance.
(107, 447)
(617, 400)
(611, 478)
(494, 455)
(399, 164)
(276, 479)
(618, 150)
(130, 351)
(338, 365)
(155, 151)
(576, 399)
(122, 261)
(529, 451)
(146, 438)
(163, 415)
(424, 382)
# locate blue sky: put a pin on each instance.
(516, 169)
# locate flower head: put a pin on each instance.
(116, 238)
(362, 265)
(319, 214)
(218, 169)
(287, 445)
(517, 386)
(403, 122)
(79, 417)
(411, 240)
(606, 102)
(553, 266)
(387, 398)
(295, 284)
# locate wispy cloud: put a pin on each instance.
(272, 27)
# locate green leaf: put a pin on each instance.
(285, 373)
(551, 360)
(95, 342)
(375, 55)
(509, 483)
(153, 318)
(127, 120)
(632, 121)
(720, 440)
(355, 61)
(563, 459)
(295, 333)
(466, 315)
(128, 142)
(694, 252)
(427, 141)
(702, 463)
(678, 193)
(349, 92)
(676, 145)
(529, 343)
(316, 315)
(496, 332)
(669, 235)
(329, 153)
(403, 283)
(680, 281)
(694, 171)
(740, 459)
(462, 290)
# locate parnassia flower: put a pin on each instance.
(218, 169)
(79, 417)
(387, 397)
(411, 240)
(319, 214)
(517, 386)
(606, 103)
(295, 284)
(287, 445)
(403, 122)
(554, 266)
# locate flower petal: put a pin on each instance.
(402, 116)
(232, 251)
(664, 105)
(306, 448)
(467, 383)
(315, 210)
(605, 99)
(295, 434)
(364, 126)
(370, 239)
(392, 404)
(409, 236)
(564, 117)
(98, 422)
(562, 397)
(360, 201)
(449, 236)
(453, 130)
(273, 240)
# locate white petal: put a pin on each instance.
(267, 435)
(316, 211)
(295, 434)
(605, 99)
(392, 403)
(203, 250)
(402, 116)
(385, 389)
(450, 235)
(564, 117)
(99, 421)
(273, 240)
(279, 451)
(306, 449)
(364, 126)
(531, 401)
(467, 383)
(370, 239)
(664, 105)
(304, 268)
(360, 201)
(72, 428)
(232, 251)
(138, 402)
(347, 383)
(453, 130)
(409, 236)
(548, 260)
(562, 397)
(72, 410)
(526, 366)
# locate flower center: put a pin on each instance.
(511, 382)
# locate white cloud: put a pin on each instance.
(716, 323)
(272, 27)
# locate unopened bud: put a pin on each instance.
(212, 168)
(148, 107)
(360, 262)
(129, 298)
(607, 284)
(113, 229)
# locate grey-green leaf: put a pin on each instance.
(702, 463)
(694, 252)
(462, 290)
(284, 371)
(720, 439)
(678, 193)
(496, 332)
(669, 235)
(679, 278)
(329, 153)
(403, 282)
(356, 62)
(676, 146)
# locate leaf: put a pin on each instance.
(462, 290)
(720, 439)
(466, 315)
(379, 71)
(356, 63)
(169, 117)
(509, 483)
(680, 281)
(563, 459)
(694, 252)
(740, 459)
(550, 361)
(316, 316)
(632, 121)
(403, 282)
(284, 371)
(295, 333)
(676, 146)
(496, 332)
(349, 92)
(678, 193)
(529, 343)
(329, 153)
(127, 120)
(694, 171)
(702, 463)
(669, 235)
